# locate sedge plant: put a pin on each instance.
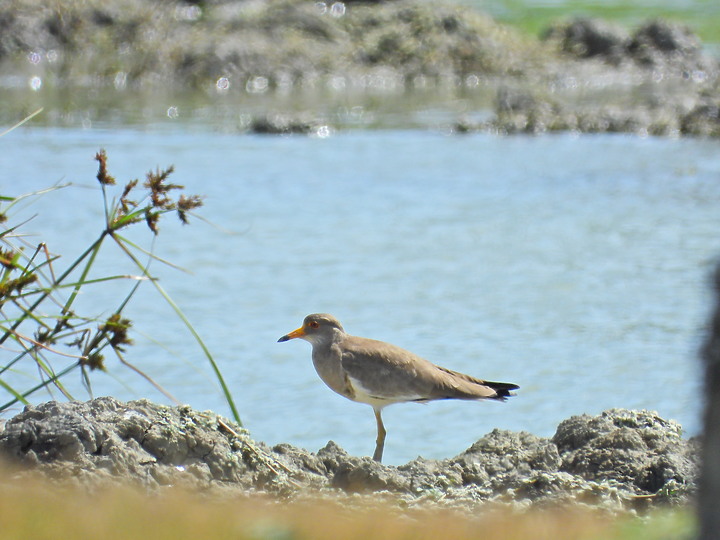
(39, 325)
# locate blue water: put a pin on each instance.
(576, 267)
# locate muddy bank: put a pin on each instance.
(621, 460)
(256, 46)
(581, 75)
(671, 86)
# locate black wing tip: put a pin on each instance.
(503, 390)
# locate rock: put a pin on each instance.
(660, 41)
(365, 475)
(518, 111)
(703, 119)
(587, 38)
(332, 455)
(143, 442)
(620, 460)
(502, 456)
(656, 43)
(429, 475)
(634, 449)
(284, 124)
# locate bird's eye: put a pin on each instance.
(314, 324)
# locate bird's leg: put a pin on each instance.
(380, 441)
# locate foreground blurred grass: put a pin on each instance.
(34, 509)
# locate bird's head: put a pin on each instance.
(317, 328)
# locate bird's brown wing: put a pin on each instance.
(388, 372)
(384, 371)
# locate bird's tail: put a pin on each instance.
(502, 390)
(478, 388)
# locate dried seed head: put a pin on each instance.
(94, 361)
(151, 218)
(185, 204)
(159, 190)
(8, 258)
(117, 329)
(103, 176)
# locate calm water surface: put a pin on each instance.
(575, 267)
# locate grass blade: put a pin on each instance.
(191, 329)
(150, 254)
(23, 121)
(43, 384)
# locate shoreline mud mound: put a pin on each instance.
(254, 45)
(620, 460)
(582, 75)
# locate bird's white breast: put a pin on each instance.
(366, 395)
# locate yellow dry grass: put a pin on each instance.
(34, 508)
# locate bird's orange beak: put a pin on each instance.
(300, 332)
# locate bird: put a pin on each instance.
(380, 374)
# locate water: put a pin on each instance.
(575, 267)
